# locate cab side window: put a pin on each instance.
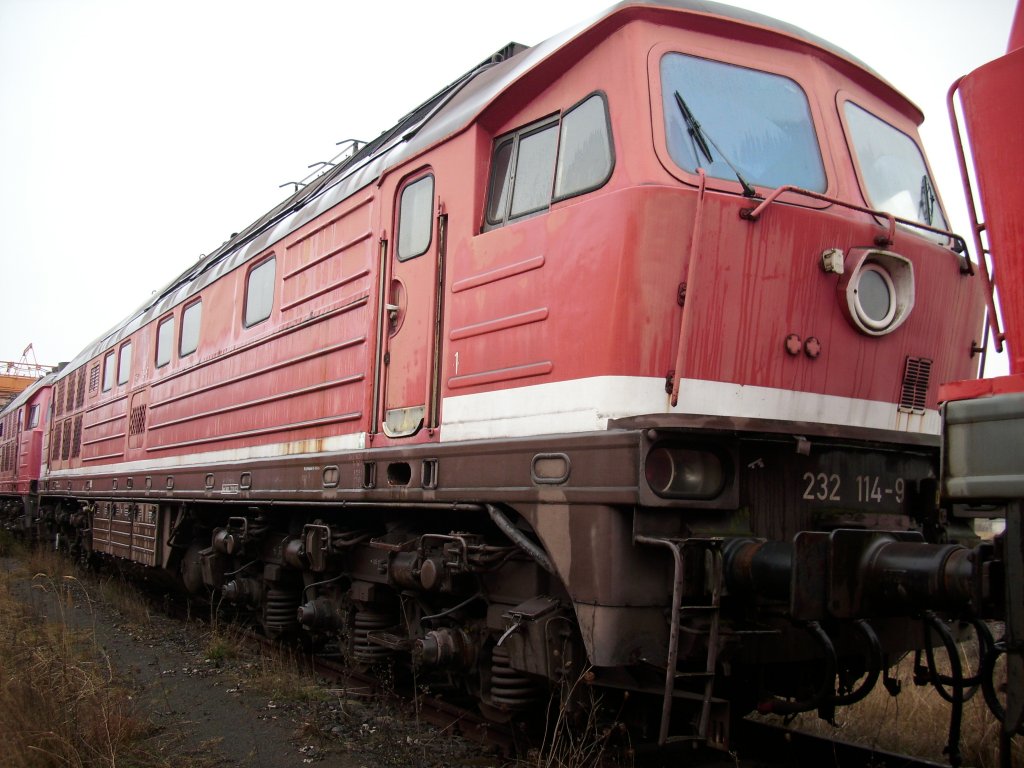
(415, 218)
(553, 159)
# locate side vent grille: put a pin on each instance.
(914, 393)
(138, 422)
(76, 447)
(55, 442)
(65, 451)
(59, 398)
(94, 377)
(80, 394)
(72, 379)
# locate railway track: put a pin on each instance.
(753, 744)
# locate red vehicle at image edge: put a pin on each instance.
(621, 353)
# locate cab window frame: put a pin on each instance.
(844, 100)
(500, 200)
(407, 218)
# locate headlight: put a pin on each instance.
(877, 295)
(874, 296)
(684, 472)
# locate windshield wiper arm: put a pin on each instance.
(926, 208)
(694, 129)
(702, 139)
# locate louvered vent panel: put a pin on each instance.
(55, 442)
(94, 377)
(65, 451)
(138, 422)
(72, 379)
(916, 376)
(59, 405)
(76, 446)
(80, 393)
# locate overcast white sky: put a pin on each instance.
(136, 135)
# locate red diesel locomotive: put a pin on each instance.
(620, 354)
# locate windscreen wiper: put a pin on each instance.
(702, 139)
(926, 208)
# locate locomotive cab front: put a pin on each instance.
(757, 286)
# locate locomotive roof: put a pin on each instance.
(445, 114)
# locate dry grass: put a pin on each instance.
(60, 704)
(916, 722)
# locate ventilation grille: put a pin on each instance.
(59, 405)
(914, 393)
(71, 391)
(65, 452)
(80, 393)
(76, 446)
(55, 442)
(94, 377)
(138, 423)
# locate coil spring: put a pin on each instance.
(281, 611)
(510, 688)
(363, 623)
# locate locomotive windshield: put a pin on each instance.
(895, 177)
(758, 124)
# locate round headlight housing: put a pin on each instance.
(874, 296)
(686, 473)
(877, 294)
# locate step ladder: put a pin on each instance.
(710, 551)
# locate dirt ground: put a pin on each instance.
(223, 704)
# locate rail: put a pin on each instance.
(972, 212)
(960, 245)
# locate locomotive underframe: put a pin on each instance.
(440, 553)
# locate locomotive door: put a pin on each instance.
(412, 318)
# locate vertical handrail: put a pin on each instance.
(673, 632)
(972, 212)
(717, 565)
(691, 272)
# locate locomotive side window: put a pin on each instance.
(722, 117)
(108, 371)
(164, 341)
(497, 193)
(259, 292)
(892, 168)
(190, 319)
(585, 154)
(554, 159)
(33, 416)
(415, 218)
(124, 363)
(534, 171)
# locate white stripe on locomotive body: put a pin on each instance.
(585, 405)
(572, 407)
